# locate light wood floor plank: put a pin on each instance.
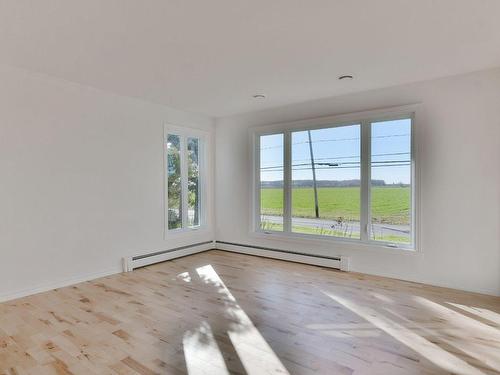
(224, 313)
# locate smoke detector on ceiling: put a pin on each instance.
(259, 96)
(346, 77)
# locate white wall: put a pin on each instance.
(81, 181)
(458, 131)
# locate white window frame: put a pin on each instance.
(365, 119)
(185, 133)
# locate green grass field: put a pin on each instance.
(390, 205)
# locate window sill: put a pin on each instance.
(203, 229)
(338, 243)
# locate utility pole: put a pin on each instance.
(313, 167)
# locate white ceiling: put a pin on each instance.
(211, 56)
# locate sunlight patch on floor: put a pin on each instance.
(202, 354)
(425, 348)
(184, 276)
(256, 356)
(383, 297)
(484, 345)
(480, 312)
(478, 348)
(458, 319)
(347, 330)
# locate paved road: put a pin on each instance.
(399, 230)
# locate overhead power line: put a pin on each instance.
(338, 140)
(354, 164)
(351, 157)
(356, 156)
(338, 167)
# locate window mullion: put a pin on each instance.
(184, 182)
(413, 184)
(202, 165)
(257, 209)
(287, 183)
(365, 180)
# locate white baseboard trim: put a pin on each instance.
(340, 263)
(57, 284)
(128, 261)
(131, 263)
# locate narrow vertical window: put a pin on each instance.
(194, 197)
(271, 182)
(174, 185)
(184, 157)
(391, 181)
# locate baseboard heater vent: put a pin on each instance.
(131, 263)
(337, 262)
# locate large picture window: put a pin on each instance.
(353, 181)
(183, 177)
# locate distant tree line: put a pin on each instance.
(326, 183)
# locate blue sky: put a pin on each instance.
(341, 146)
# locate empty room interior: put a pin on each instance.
(249, 187)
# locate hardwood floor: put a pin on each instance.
(219, 313)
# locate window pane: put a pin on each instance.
(193, 182)
(326, 181)
(174, 182)
(271, 182)
(391, 181)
